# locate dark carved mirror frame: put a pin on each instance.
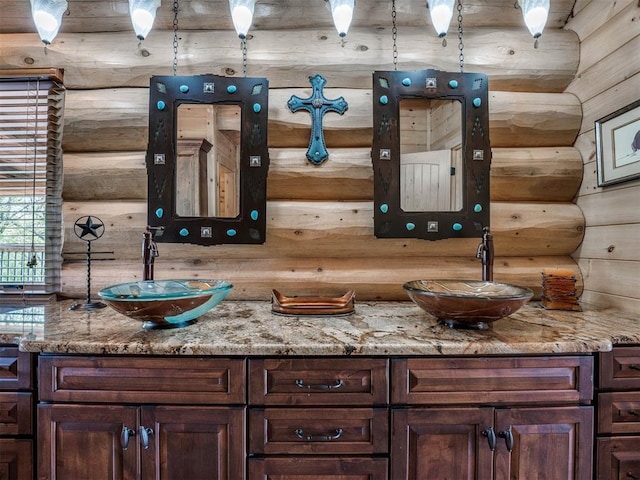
(166, 94)
(471, 89)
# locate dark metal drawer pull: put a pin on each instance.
(632, 476)
(300, 384)
(634, 413)
(491, 438)
(124, 436)
(318, 438)
(633, 366)
(145, 432)
(508, 438)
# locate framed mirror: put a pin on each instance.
(431, 154)
(207, 159)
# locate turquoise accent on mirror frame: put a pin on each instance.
(406, 82)
(457, 227)
(384, 208)
(384, 100)
(257, 107)
(477, 102)
(453, 83)
(159, 212)
(232, 89)
(161, 105)
(410, 226)
(254, 215)
(477, 208)
(184, 88)
(231, 232)
(183, 232)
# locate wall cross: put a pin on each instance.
(317, 105)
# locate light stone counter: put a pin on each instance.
(376, 328)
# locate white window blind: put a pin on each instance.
(31, 115)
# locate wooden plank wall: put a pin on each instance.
(608, 79)
(320, 219)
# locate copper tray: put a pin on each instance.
(284, 305)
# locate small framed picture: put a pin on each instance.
(618, 145)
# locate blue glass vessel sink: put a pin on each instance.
(165, 303)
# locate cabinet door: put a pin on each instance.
(618, 458)
(16, 459)
(441, 443)
(203, 443)
(85, 442)
(544, 443)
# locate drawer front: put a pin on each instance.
(618, 458)
(619, 412)
(620, 369)
(16, 459)
(15, 369)
(317, 381)
(339, 468)
(15, 413)
(163, 380)
(318, 430)
(492, 381)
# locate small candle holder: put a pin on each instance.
(559, 290)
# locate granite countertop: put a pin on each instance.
(376, 328)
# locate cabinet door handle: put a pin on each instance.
(633, 366)
(318, 438)
(145, 432)
(508, 438)
(632, 476)
(301, 384)
(491, 437)
(634, 413)
(124, 436)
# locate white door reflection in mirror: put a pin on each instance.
(208, 160)
(431, 164)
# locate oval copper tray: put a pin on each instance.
(343, 305)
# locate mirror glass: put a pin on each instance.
(431, 154)
(431, 167)
(208, 160)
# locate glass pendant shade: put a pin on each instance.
(535, 13)
(47, 15)
(342, 13)
(441, 12)
(242, 15)
(143, 13)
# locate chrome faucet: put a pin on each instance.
(485, 253)
(149, 254)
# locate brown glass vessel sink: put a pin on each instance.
(467, 303)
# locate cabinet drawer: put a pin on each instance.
(342, 468)
(335, 381)
(618, 458)
(620, 369)
(15, 413)
(318, 430)
(15, 369)
(492, 381)
(163, 380)
(619, 412)
(16, 459)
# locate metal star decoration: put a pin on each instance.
(87, 226)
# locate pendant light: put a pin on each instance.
(441, 12)
(242, 15)
(47, 15)
(143, 13)
(342, 13)
(535, 13)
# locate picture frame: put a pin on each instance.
(618, 145)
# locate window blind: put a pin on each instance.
(31, 124)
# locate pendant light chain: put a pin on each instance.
(394, 34)
(175, 38)
(33, 260)
(244, 57)
(460, 32)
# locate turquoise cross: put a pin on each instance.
(317, 105)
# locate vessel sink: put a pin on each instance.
(165, 303)
(467, 303)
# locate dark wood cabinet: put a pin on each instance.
(618, 433)
(469, 418)
(16, 414)
(174, 430)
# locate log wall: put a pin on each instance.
(608, 79)
(320, 219)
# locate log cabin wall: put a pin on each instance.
(608, 79)
(320, 219)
